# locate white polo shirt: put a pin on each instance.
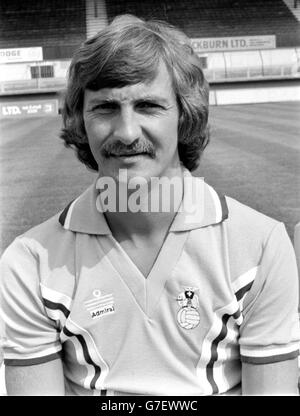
(223, 289)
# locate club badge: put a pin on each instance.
(188, 315)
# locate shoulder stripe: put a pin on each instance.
(86, 355)
(53, 305)
(57, 305)
(55, 296)
(92, 350)
(243, 284)
(224, 331)
(214, 353)
(244, 279)
(238, 317)
(240, 293)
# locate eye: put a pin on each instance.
(105, 108)
(149, 106)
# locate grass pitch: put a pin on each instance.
(254, 156)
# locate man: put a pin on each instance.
(114, 297)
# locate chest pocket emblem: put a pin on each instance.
(188, 316)
(100, 304)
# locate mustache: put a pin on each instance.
(120, 149)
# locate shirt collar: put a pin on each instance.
(82, 216)
(201, 206)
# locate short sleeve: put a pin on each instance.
(28, 335)
(270, 329)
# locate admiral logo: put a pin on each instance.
(100, 304)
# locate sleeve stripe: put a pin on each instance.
(267, 352)
(270, 359)
(33, 361)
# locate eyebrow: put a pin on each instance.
(155, 98)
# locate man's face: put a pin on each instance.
(134, 128)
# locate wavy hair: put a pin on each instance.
(127, 52)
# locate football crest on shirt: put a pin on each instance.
(188, 315)
(100, 304)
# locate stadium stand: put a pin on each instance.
(294, 6)
(58, 26)
(213, 18)
(229, 18)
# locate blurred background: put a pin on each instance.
(250, 54)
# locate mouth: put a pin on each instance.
(129, 155)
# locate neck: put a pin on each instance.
(148, 210)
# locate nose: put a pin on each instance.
(127, 128)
